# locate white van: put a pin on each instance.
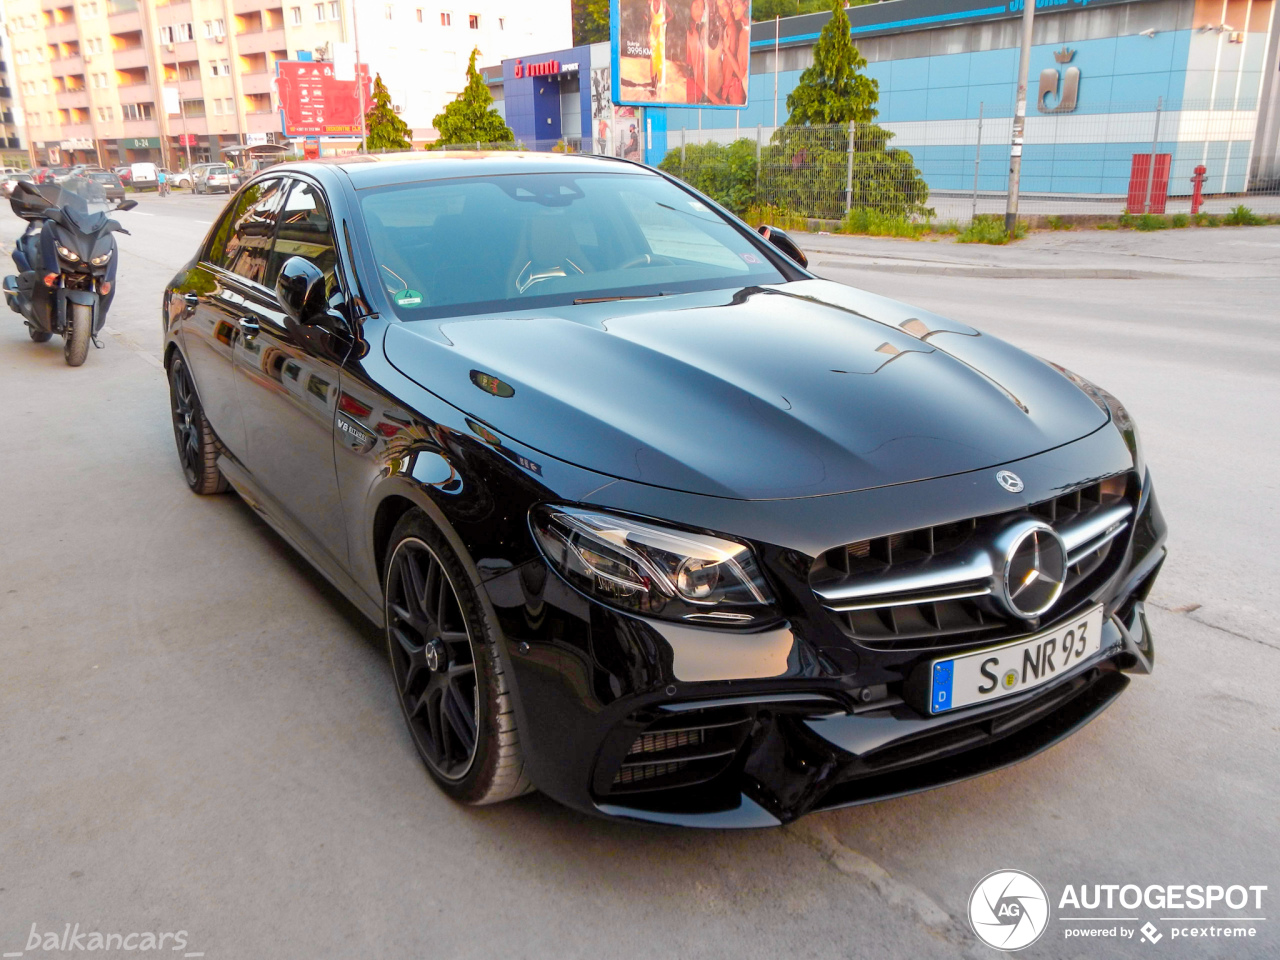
(144, 175)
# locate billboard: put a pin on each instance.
(681, 52)
(314, 102)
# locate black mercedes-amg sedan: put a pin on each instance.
(655, 520)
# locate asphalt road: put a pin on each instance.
(197, 734)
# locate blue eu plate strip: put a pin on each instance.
(942, 676)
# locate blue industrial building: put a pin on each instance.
(1098, 70)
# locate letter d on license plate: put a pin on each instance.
(1013, 667)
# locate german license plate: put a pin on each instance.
(1013, 667)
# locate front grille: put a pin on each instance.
(681, 750)
(931, 587)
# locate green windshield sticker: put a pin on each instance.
(409, 298)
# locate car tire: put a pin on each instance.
(75, 346)
(448, 675)
(39, 336)
(198, 447)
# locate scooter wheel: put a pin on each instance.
(39, 336)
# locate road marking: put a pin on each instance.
(13, 954)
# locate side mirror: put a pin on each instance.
(783, 243)
(300, 288)
(127, 204)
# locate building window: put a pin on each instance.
(502, 23)
(44, 86)
(335, 10)
(446, 19)
(230, 106)
(176, 33)
(136, 111)
(217, 108)
(100, 80)
(106, 113)
(473, 21)
(214, 28)
(387, 11)
(295, 14)
(319, 11)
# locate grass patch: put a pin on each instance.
(1057, 223)
(1242, 216)
(1179, 220)
(1151, 221)
(1108, 226)
(946, 228)
(872, 223)
(989, 228)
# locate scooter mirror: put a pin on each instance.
(127, 204)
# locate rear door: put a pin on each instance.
(210, 328)
(288, 376)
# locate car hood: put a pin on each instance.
(800, 389)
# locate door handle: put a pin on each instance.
(249, 327)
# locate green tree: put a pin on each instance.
(833, 90)
(384, 128)
(470, 118)
(590, 21)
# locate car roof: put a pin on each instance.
(377, 170)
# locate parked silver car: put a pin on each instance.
(215, 178)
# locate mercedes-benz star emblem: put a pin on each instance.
(1010, 481)
(1035, 569)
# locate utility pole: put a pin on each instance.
(777, 42)
(1019, 117)
(355, 35)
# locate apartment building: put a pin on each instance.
(118, 81)
(10, 137)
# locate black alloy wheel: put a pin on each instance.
(198, 448)
(447, 674)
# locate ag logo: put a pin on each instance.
(1008, 910)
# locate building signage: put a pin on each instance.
(314, 102)
(547, 68)
(1050, 82)
(140, 143)
(681, 52)
(80, 144)
(188, 140)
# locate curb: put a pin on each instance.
(1027, 273)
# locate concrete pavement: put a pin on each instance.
(198, 734)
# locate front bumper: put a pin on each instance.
(619, 719)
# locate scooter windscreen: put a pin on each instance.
(81, 201)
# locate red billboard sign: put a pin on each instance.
(315, 103)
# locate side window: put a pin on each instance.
(217, 253)
(306, 231)
(249, 247)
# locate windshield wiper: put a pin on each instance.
(625, 296)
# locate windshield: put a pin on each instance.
(477, 245)
(82, 200)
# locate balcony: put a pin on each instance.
(62, 33)
(67, 66)
(76, 131)
(261, 41)
(261, 82)
(178, 52)
(195, 126)
(126, 22)
(78, 99)
(191, 90)
(136, 93)
(263, 122)
(130, 58)
(253, 6)
(141, 128)
(50, 5)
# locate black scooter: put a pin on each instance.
(66, 263)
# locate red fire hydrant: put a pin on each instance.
(1197, 186)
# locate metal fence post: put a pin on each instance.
(1151, 171)
(977, 162)
(848, 175)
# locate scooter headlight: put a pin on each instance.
(68, 255)
(100, 260)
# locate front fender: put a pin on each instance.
(87, 298)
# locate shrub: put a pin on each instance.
(989, 228)
(1180, 220)
(725, 173)
(1151, 221)
(1057, 223)
(759, 214)
(1242, 216)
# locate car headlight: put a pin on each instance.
(103, 258)
(66, 254)
(1114, 408)
(654, 571)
